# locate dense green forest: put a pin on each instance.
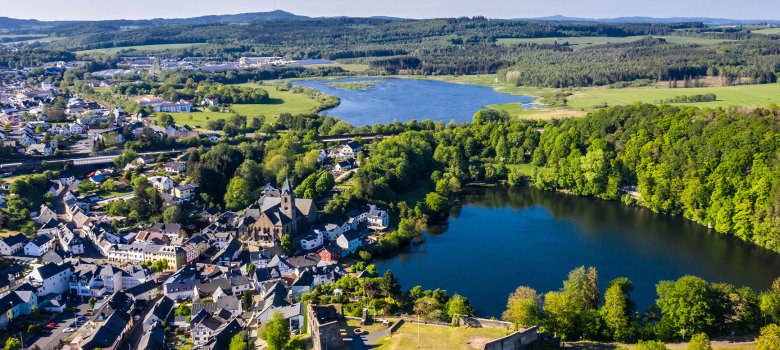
(461, 46)
(717, 167)
(686, 309)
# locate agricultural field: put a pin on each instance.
(280, 102)
(578, 43)
(413, 336)
(160, 47)
(742, 95)
(586, 99)
(775, 31)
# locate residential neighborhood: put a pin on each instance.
(230, 271)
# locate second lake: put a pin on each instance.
(499, 239)
(406, 99)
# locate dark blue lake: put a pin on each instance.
(499, 239)
(407, 99)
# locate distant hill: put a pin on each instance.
(13, 23)
(639, 19)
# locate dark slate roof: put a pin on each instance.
(52, 269)
(162, 309)
(41, 240)
(154, 339)
(224, 336)
(15, 239)
(142, 288)
(108, 333)
(351, 235)
(226, 302)
(306, 279)
(52, 256)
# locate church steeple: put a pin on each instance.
(288, 200)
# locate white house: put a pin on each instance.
(312, 241)
(175, 167)
(77, 128)
(45, 215)
(349, 242)
(330, 232)
(350, 150)
(378, 218)
(51, 278)
(12, 244)
(38, 246)
(162, 183)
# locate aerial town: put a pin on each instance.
(176, 175)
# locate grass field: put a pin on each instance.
(768, 31)
(742, 95)
(577, 43)
(585, 99)
(349, 67)
(440, 337)
(281, 102)
(159, 47)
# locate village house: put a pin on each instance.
(350, 150)
(12, 244)
(51, 278)
(161, 183)
(349, 242)
(38, 246)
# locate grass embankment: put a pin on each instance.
(439, 337)
(145, 48)
(280, 102)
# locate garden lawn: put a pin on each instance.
(439, 337)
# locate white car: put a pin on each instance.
(69, 330)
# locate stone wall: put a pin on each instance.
(484, 323)
(515, 341)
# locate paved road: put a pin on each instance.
(84, 159)
(49, 340)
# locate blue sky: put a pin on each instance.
(112, 9)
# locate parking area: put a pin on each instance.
(64, 325)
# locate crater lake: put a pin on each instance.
(497, 239)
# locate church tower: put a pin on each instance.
(288, 202)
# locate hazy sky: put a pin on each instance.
(134, 9)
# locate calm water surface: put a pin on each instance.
(407, 99)
(500, 239)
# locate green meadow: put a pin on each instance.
(578, 43)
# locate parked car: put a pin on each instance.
(50, 325)
(69, 330)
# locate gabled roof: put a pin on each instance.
(142, 288)
(51, 269)
(14, 239)
(40, 240)
(161, 309)
(306, 279)
(107, 334)
(224, 336)
(154, 338)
